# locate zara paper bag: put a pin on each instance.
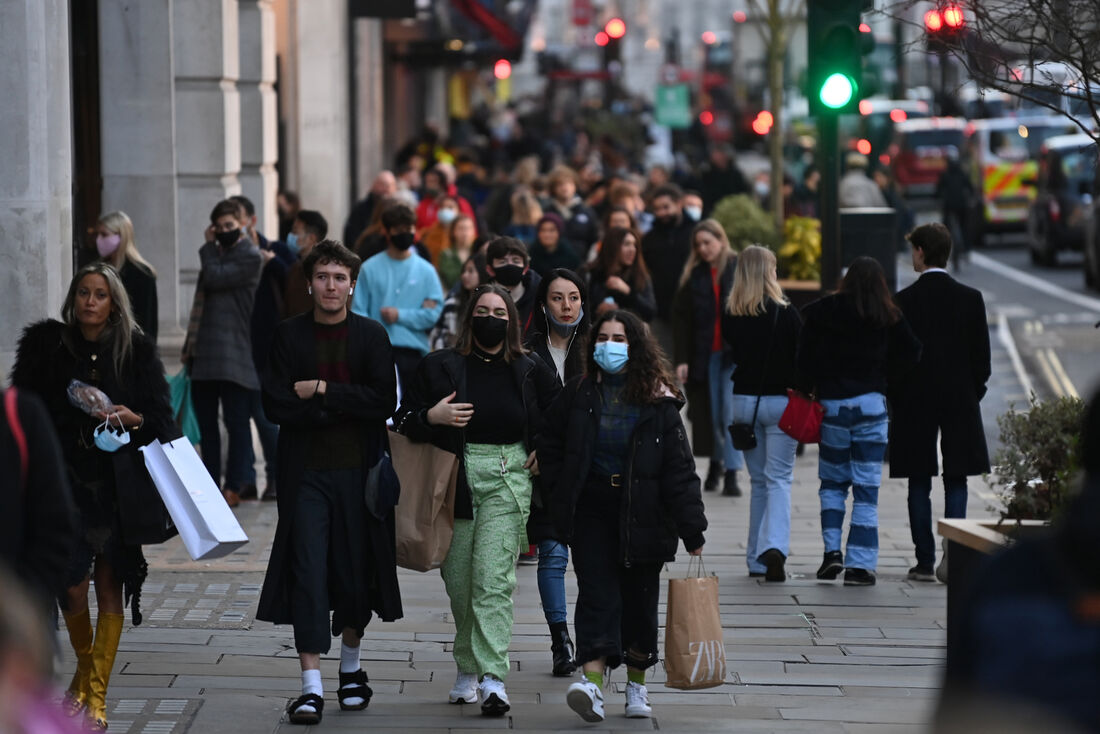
(205, 523)
(424, 518)
(695, 656)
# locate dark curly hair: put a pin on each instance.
(648, 373)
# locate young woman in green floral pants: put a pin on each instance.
(483, 400)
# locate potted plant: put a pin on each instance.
(1035, 471)
(800, 259)
(745, 223)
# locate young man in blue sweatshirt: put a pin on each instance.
(402, 290)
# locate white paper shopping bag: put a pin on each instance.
(206, 525)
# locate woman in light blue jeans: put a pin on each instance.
(761, 329)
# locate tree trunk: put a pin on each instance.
(776, 52)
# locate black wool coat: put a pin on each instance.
(660, 500)
(943, 393)
(444, 371)
(369, 398)
(693, 319)
(45, 364)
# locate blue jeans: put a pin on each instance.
(721, 412)
(205, 396)
(853, 445)
(269, 436)
(771, 468)
(920, 512)
(553, 558)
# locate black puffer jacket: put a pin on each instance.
(443, 372)
(661, 498)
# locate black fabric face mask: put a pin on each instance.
(403, 241)
(509, 276)
(489, 330)
(228, 239)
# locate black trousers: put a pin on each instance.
(616, 612)
(406, 360)
(329, 547)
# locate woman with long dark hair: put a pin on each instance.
(482, 400)
(559, 336)
(761, 330)
(703, 362)
(852, 342)
(445, 332)
(98, 343)
(622, 490)
(619, 279)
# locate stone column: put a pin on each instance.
(138, 139)
(370, 112)
(36, 255)
(208, 122)
(259, 121)
(313, 91)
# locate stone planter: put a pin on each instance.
(801, 292)
(969, 542)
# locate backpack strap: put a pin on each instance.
(12, 412)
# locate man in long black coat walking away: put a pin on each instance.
(942, 395)
(330, 385)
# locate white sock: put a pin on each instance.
(349, 658)
(311, 683)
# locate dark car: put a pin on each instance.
(1092, 237)
(1059, 213)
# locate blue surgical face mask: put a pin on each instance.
(561, 328)
(611, 356)
(111, 439)
(292, 243)
(446, 216)
(694, 212)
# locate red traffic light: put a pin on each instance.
(706, 117)
(763, 122)
(710, 38)
(615, 28)
(502, 69)
(953, 17)
(864, 28)
(602, 39)
(933, 21)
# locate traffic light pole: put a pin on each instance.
(829, 149)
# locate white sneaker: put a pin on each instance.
(586, 698)
(494, 699)
(637, 701)
(465, 689)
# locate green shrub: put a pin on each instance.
(1040, 454)
(800, 254)
(745, 223)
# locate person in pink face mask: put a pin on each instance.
(115, 243)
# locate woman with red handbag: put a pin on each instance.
(851, 342)
(761, 330)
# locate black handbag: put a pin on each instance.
(743, 435)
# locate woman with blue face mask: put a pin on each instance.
(99, 344)
(620, 480)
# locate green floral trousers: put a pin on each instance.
(480, 569)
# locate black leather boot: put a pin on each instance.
(714, 475)
(562, 648)
(730, 488)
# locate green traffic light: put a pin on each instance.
(837, 91)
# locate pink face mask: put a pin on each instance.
(107, 245)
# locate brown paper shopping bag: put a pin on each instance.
(694, 654)
(424, 518)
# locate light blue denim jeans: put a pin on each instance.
(721, 412)
(771, 468)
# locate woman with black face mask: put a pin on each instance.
(558, 335)
(483, 400)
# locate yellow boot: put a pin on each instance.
(108, 630)
(79, 626)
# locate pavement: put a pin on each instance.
(802, 655)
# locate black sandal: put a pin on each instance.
(354, 685)
(297, 716)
